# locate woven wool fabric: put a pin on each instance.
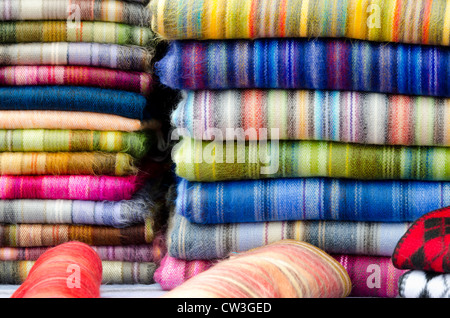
(371, 276)
(48, 140)
(114, 272)
(73, 98)
(326, 64)
(369, 118)
(89, 188)
(84, 10)
(216, 161)
(422, 284)
(69, 120)
(38, 235)
(68, 31)
(67, 163)
(412, 21)
(122, 57)
(191, 241)
(145, 203)
(309, 199)
(137, 82)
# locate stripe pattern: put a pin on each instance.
(33, 235)
(138, 82)
(294, 199)
(73, 98)
(411, 21)
(67, 31)
(344, 116)
(85, 10)
(121, 57)
(90, 188)
(218, 161)
(190, 241)
(135, 144)
(324, 64)
(114, 272)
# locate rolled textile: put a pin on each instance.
(39, 235)
(412, 21)
(69, 31)
(121, 57)
(90, 188)
(67, 163)
(309, 199)
(152, 252)
(207, 161)
(82, 10)
(71, 120)
(324, 64)
(423, 284)
(191, 241)
(136, 144)
(137, 82)
(146, 202)
(344, 116)
(371, 276)
(73, 98)
(114, 272)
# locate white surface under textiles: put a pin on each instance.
(107, 291)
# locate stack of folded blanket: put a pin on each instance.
(321, 121)
(78, 136)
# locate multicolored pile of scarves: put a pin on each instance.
(79, 136)
(320, 121)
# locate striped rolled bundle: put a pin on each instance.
(317, 121)
(80, 135)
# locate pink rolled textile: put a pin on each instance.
(370, 276)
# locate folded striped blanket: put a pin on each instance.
(220, 161)
(121, 57)
(371, 276)
(309, 199)
(114, 272)
(412, 21)
(345, 116)
(73, 98)
(190, 241)
(83, 10)
(324, 64)
(137, 82)
(136, 144)
(39, 235)
(69, 31)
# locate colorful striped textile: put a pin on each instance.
(423, 284)
(124, 253)
(69, 120)
(345, 116)
(371, 276)
(121, 57)
(325, 64)
(67, 163)
(69, 31)
(190, 241)
(73, 98)
(38, 235)
(137, 82)
(83, 10)
(144, 204)
(136, 144)
(411, 21)
(220, 161)
(88, 188)
(309, 199)
(114, 272)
